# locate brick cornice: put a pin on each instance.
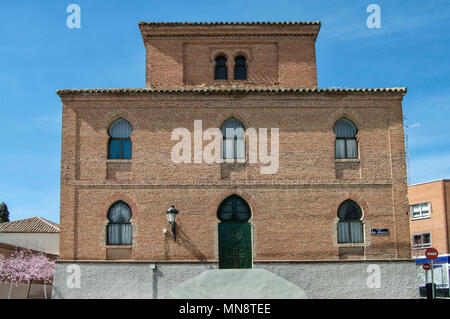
(228, 29)
(278, 90)
(214, 92)
(233, 183)
(216, 23)
(228, 35)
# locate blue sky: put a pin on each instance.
(40, 54)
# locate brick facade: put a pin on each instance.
(294, 212)
(437, 194)
(182, 54)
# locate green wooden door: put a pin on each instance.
(235, 245)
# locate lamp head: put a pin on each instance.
(172, 214)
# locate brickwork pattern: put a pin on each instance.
(293, 211)
(277, 55)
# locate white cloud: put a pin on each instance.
(413, 125)
(428, 122)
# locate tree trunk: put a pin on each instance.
(10, 289)
(45, 290)
(29, 288)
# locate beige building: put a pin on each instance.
(34, 233)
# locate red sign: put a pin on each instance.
(431, 253)
(426, 266)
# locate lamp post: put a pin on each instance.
(172, 218)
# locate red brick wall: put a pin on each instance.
(293, 212)
(183, 55)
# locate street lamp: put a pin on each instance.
(172, 218)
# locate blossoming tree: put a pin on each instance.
(24, 266)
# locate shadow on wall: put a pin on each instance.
(188, 244)
(21, 291)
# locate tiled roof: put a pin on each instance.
(29, 225)
(229, 23)
(231, 90)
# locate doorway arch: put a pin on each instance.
(235, 236)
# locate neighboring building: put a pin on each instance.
(339, 191)
(34, 233)
(430, 216)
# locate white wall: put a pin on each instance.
(45, 242)
(319, 280)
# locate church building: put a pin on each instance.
(232, 157)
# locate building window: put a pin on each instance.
(421, 210)
(119, 146)
(233, 146)
(240, 68)
(234, 209)
(350, 227)
(220, 71)
(119, 227)
(421, 241)
(345, 145)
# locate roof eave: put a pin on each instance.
(215, 23)
(397, 90)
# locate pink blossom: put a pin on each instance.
(24, 266)
(2, 262)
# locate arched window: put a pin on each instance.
(350, 228)
(233, 145)
(119, 142)
(234, 209)
(220, 72)
(119, 227)
(345, 145)
(240, 68)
